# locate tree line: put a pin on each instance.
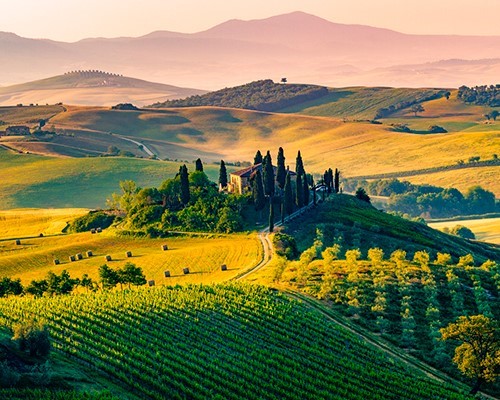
(487, 95)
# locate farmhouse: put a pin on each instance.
(17, 130)
(241, 181)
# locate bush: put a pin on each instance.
(32, 337)
(437, 129)
(463, 232)
(285, 246)
(93, 220)
(8, 376)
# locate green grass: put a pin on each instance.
(226, 341)
(359, 225)
(32, 181)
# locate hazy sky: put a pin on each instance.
(71, 20)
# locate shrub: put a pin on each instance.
(462, 231)
(285, 246)
(32, 337)
(93, 220)
(437, 129)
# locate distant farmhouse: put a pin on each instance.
(241, 181)
(17, 130)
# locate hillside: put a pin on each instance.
(262, 95)
(321, 51)
(356, 224)
(96, 88)
(227, 341)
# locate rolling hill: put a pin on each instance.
(95, 88)
(320, 52)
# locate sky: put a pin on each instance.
(72, 20)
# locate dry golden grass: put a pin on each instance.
(19, 223)
(202, 255)
(486, 230)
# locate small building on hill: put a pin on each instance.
(17, 130)
(241, 181)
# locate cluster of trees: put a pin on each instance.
(263, 95)
(91, 73)
(415, 102)
(54, 284)
(483, 95)
(426, 200)
(92, 220)
(416, 302)
(188, 202)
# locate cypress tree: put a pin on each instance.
(282, 210)
(258, 158)
(299, 165)
(183, 174)
(222, 174)
(330, 179)
(337, 180)
(268, 175)
(306, 190)
(281, 170)
(325, 178)
(299, 191)
(288, 200)
(258, 192)
(198, 165)
(315, 200)
(271, 216)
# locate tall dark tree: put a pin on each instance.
(337, 180)
(288, 197)
(305, 184)
(222, 174)
(325, 179)
(361, 195)
(315, 199)
(268, 175)
(281, 170)
(198, 165)
(299, 165)
(299, 191)
(258, 158)
(184, 179)
(331, 182)
(271, 216)
(258, 192)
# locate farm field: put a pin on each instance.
(227, 341)
(203, 255)
(486, 230)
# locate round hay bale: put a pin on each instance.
(41, 235)
(151, 283)
(128, 254)
(98, 230)
(71, 258)
(89, 253)
(108, 258)
(92, 231)
(18, 242)
(223, 267)
(164, 247)
(56, 262)
(79, 256)
(167, 274)
(185, 271)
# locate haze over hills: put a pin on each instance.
(91, 88)
(302, 47)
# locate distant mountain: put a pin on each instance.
(92, 88)
(299, 46)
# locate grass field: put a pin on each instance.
(17, 223)
(30, 180)
(203, 255)
(486, 230)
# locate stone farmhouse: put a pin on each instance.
(241, 181)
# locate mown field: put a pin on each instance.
(202, 254)
(486, 230)
(227, 341)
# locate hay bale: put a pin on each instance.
(223, 267)
(186, 271)
(89, 253)
(79, 256)
(128, 254)
(98, 230)
(56, 262)
(41, 235)
(108, 258)
(151, 283)
(92, 231)
(18, 242)
(167, 274)
(71, 258)
(164, 247)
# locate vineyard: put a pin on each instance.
(405, 300)
(227, 341)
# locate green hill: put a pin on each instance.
(264, 95)
(357, 224)
(228, 341)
